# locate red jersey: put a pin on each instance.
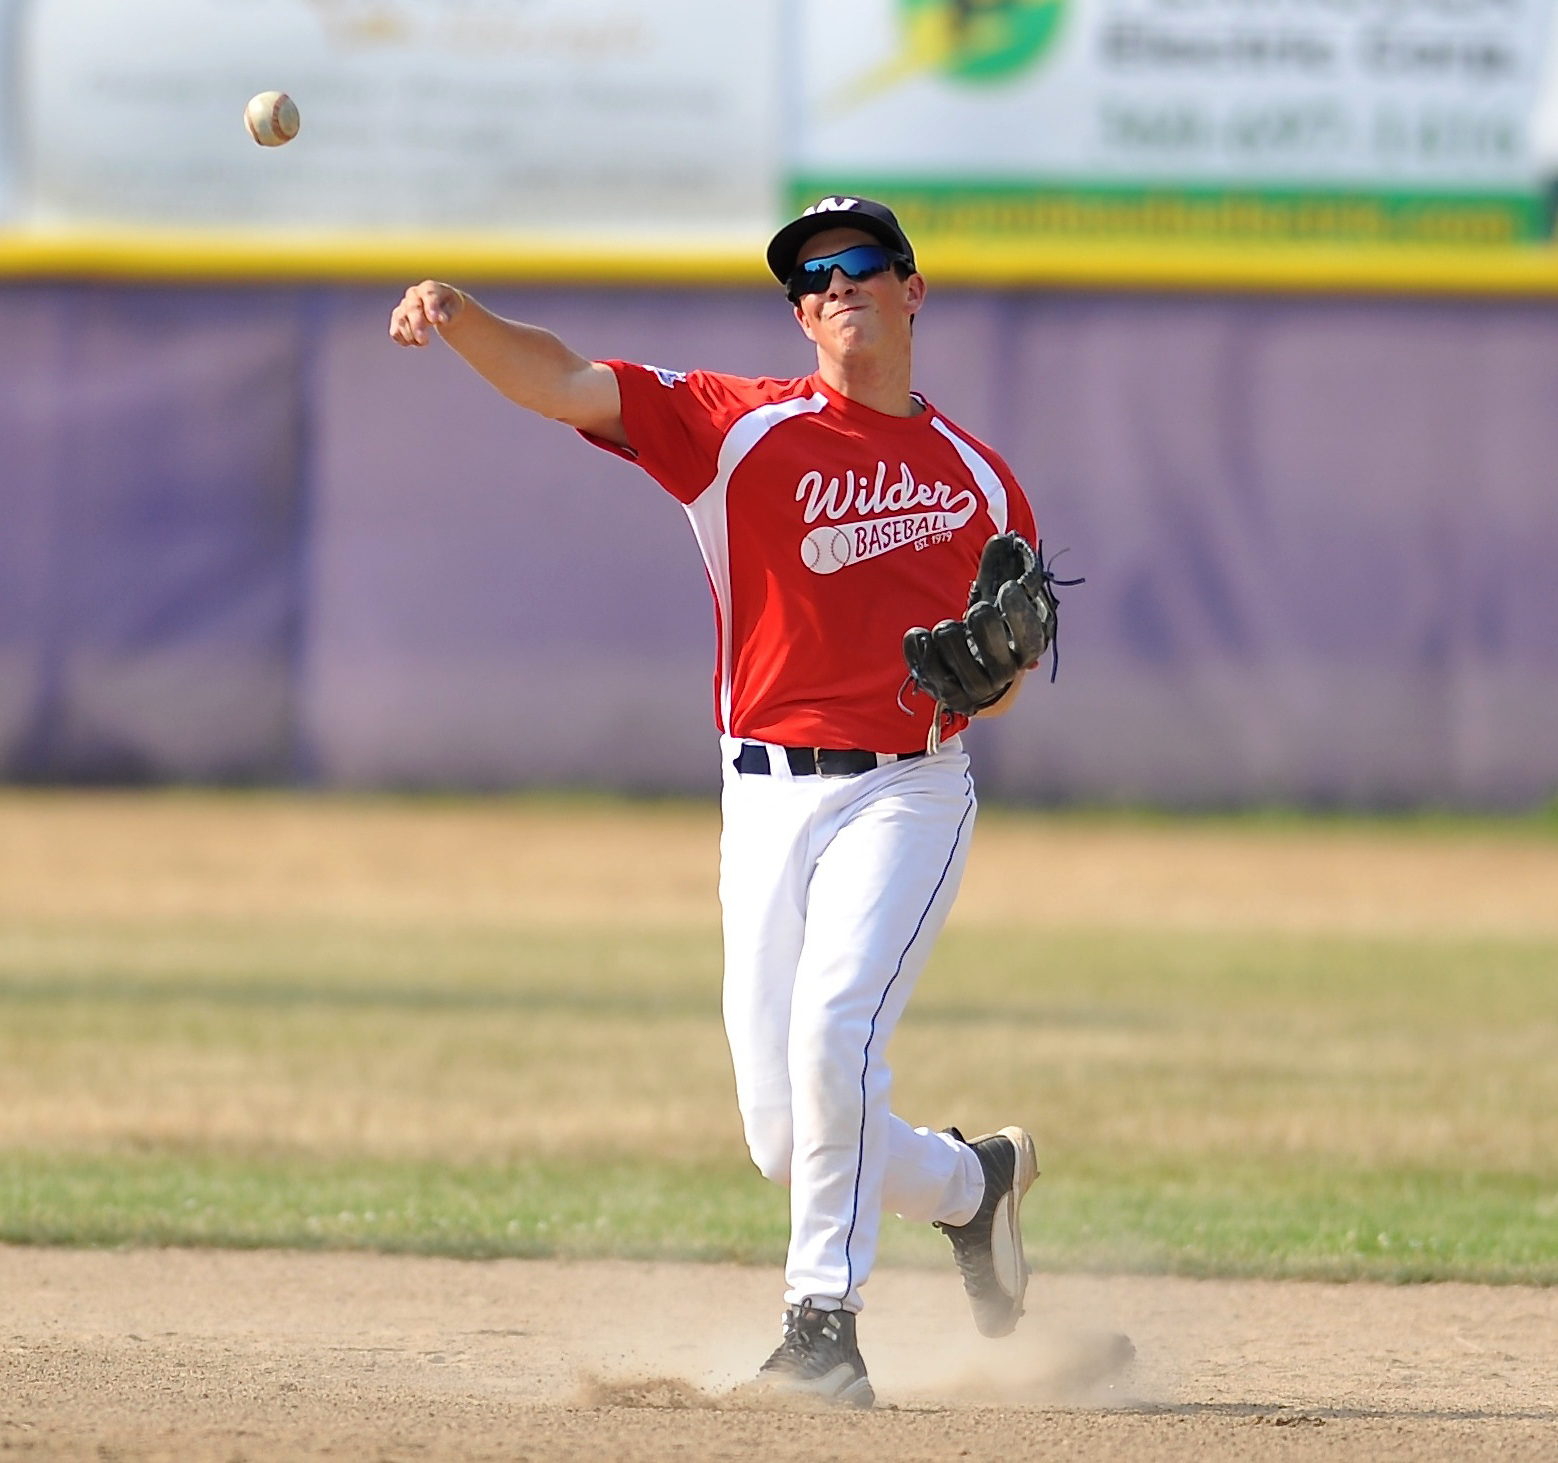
(827, 529)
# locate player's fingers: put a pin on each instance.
(440, 302)
(403, 320)
(417, 323)
(423, 307)
(430, 303)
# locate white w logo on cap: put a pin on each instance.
(831, 205)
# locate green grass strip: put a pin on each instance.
(1307, 1222)
(1264, 1221)
(477, 1211)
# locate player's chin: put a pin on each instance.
(853, 333)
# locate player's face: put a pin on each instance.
(853, 317)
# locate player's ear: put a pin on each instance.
(914, 292)
(800, 319)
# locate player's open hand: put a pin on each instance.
(426, 306)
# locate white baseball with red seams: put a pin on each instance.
(272, 118)
(828, 529)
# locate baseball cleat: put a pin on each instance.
(818, 1358)
(988, 1248)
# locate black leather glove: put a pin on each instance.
(969, 664)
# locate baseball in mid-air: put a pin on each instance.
(272, 118)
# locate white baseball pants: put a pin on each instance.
(834, 890)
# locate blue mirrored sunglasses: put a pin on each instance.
(859, 261)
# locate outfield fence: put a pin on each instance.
(243, 538)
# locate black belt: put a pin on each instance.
(809, 761)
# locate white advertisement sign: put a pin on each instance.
(707, 120)
(538, 115)
(9, 11)
(1416, 103)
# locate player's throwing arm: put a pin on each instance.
(530, 366)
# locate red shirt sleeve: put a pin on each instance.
(675, 422)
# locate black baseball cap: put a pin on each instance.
(836, 213)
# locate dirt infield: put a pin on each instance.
(144, 1355)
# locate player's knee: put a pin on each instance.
(770, 1141)
(834, 1065)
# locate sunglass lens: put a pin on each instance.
(859, 262)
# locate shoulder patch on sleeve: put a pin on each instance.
(665, 377)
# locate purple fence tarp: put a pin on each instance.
(149, 476)
(244, 537)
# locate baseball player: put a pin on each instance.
(838, 515)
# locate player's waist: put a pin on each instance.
(764, 759)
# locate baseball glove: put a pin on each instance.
(969, 664)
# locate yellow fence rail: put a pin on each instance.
(189, 257)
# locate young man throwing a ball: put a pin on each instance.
(838, 515)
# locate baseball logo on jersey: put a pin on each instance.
(904, 513)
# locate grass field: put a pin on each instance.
(1264, 1047)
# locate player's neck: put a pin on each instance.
(881, 384)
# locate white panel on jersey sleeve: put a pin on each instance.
(988, 479)
(710, 525)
